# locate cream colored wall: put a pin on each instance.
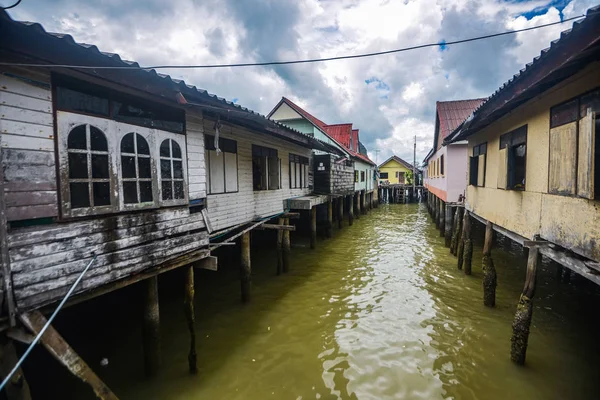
(571, 222)
(285, 112)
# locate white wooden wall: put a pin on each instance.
(230, 209)
(27, 140)
(368, 184)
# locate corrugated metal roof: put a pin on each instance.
(340, 132)
(91, 52)
(453, 113)
(561, 56)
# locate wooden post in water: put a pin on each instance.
(286, 247)
(245, 267)
(448, 225)
(341, 212)
(313, 227)
(329, 226)
(190, 316)
(280, 221)
(436, 213)
(17, 387)
(461, 241)
(468, 250)
(151, 327)
(357, 205)
(522, 321)
(487, 264)
(442, 221)
(456, 230)
(350, 200)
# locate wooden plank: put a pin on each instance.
(25, 87)
(27, 129)
(5, 266)
(575, 264)
(563, 159)
(28, 103)
(24, 115)
(586, 160)
(277, 227)
(22, 186)
(210, 263)
(61, 350)
(481, 170)
(31, 211)
(16, 199)
(37, 235)
(502, 168)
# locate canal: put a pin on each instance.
(378, 312)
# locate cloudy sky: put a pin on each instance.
(389, 98)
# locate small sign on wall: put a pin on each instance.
(321, 167)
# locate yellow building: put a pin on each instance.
(534, 163)
(393, 171)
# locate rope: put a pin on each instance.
(43, 330)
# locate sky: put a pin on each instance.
(390, 98)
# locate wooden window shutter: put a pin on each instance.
(585, 163)
(481, 170)
(502, 168)
(563, 159)
(473, 164)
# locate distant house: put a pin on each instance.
(393, 171)
(342, 136)
(447, 163)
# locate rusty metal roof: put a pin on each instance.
(567, 55)
(453, 113)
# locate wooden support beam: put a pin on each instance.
(210, 263)
(350, 201)
(291, 215)
(468, 247)
(461, 242)
(17, 387)
(151, 331)
(286, 248)
(448, 214)
(357, 205)
(442, 221)
(489, 271)
(190, 316)
(329, 226)
(60, 349)
(6, 290)
(341, 212)
(278, 226)
(280, 247)
(19, 335)
(522, 321)
(313, 227)
(245, 267)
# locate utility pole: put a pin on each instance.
(415, 165)
(376, 155)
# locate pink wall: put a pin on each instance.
(454, 182)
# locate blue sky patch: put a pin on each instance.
(234, 100)
(379, 84)
(443, 45)
(558, 4)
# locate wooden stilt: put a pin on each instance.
(448, 225)
(190, 316)
(281, 221)
(17, 388)
(442, 221)
(487, 264)
(456, 231)
(436, 212)
(329, 227)
(468, 250)
(286, 248)
(522, 321)
(313, 227)
(60, 349)
(340, 212)
(151, 327)
(357, 204)
(461, 242)
(350, 210)
(245, 267)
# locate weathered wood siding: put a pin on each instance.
(27, 139)
(46, 260)
(229, 209)
(196, 156)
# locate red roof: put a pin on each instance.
(451, 114)
(339, 133)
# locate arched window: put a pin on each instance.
(136, 169)
(89, 183)
(171, 170)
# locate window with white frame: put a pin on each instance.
(298, 172)
(108, 166)
(222, 165)
(266, 168)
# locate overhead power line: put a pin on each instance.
(306, 61)
(13, 6)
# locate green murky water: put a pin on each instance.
(378, 312)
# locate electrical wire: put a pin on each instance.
(13, 6)
(43, 330)
(306, 61)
